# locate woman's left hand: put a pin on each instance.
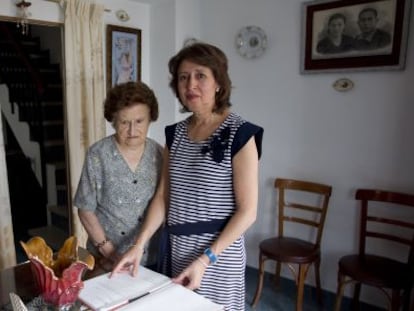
(191, 276)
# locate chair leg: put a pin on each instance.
(259, 281)
(395, 300)
(339, 291)
(318, 281)
(303, 269)
(277, 273)
(407, 299)
(357, 292)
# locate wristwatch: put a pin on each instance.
(211, 256)
(251, 41)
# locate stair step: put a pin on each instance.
(61, 187)
(53, 143)
(51, 130)
(54, 153)
(51, 104)
(46, 70)
(53, 111)
(59, 210)
(62, 195)
(28, 111)
(30, 44)
(39, 58)
(51, 75)
(60, 176)
(53, 236)
(53, 94)
(55, 85)
(59, 165)
(52, 122)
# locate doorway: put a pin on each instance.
(34, 127)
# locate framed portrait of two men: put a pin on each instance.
(354, 35)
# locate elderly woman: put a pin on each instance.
(120, 174)
(209, 186)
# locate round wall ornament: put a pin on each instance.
(122, 15)
(343, 85)
(251, 41)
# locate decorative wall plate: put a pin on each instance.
(343, 85)
(122, 15)
(251, 41)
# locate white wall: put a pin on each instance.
(162, 35)
(360, 138)
(172, 22)
(40, 10)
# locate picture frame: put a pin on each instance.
(123, 55)
(360, 47)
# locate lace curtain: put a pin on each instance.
(84, 88)
(84, 99)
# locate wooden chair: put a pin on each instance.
(371, 266)
(298, 252)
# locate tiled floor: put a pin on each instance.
(283, 298)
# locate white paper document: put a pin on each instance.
(148, 291)
(173, 297)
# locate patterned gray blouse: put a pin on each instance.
(118, 196)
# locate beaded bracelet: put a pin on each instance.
(100, 244)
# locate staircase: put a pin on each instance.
(36, 99)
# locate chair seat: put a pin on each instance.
(286, 249)
(376, 271)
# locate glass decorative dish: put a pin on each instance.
(58, 276)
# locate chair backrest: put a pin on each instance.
(296, 205)
(384, 217)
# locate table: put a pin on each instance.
(19, 280)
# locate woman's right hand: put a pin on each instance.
(129, 261)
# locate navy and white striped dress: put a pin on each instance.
(201, 190)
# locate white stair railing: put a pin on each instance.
(21, 131)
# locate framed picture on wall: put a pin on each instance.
(354, 35)
(123, 55)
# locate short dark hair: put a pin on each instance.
(208, 55)
(127, 95)
(336, 16)
(374, 11)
